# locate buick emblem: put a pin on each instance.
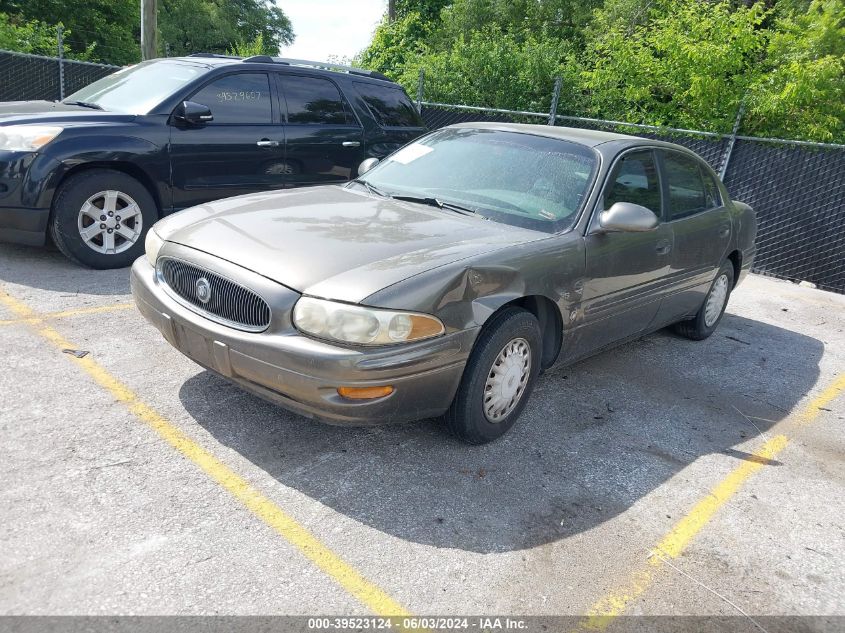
(203, 290)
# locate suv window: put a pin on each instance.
(313, 100)
(390, 107)
(238, 99)
(687, 193)
(634, 179)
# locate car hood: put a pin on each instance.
(334, 242)
(19, 112)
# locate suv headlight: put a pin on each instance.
(26, 138)
(359, 324)
(152, 245)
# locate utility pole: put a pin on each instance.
(391, 10)
(148, 29)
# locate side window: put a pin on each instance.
(241, 98)
(390, 107)
(314, 100)
(687, 194)
(634, 179)
(711, 189)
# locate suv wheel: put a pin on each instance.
(707, 319)
(499, 378)
(100, 218)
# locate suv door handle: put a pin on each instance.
(265, 142)
(663, 247)
(352, 143)
(724, 231)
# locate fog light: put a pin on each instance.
(364, 393)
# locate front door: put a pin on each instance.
(325, 142)
(240, 151)
(701, 224)
(625, 272)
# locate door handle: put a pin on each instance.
(267, 143)
(663, 248)
(724, 231)
(351, 143)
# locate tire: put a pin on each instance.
(472, 417)
(82, 202)
(707, 319)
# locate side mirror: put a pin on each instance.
(628, 217)
(193, 113)
(367, 165)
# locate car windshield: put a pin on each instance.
(520, 179)
(138, 89)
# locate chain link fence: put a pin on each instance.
(796, 188)
(25, 77)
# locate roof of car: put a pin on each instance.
(216, 59)
(590, 138)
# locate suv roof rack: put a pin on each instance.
(266, 59)
(213, 55)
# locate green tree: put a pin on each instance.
(687, 64)
(396, 43)
(102, 30)
(497, 69)
(800, 92)
(27, 37)
(109, 30)
(190, 26)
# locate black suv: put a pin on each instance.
(96, 170)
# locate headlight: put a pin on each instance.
(358, 324)
(26, 138)
(153, 245)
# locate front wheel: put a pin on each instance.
(707, 319)
(100, 218)
(498, 379)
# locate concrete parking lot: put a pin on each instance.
(663, 477)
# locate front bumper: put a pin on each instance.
(302, 374)
(24, 214)
(24, 226)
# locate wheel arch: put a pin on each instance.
(735, 258)
(551, 324)
(124, 167)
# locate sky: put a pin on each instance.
(331, 27)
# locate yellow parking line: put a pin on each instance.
(373, 597)
(675, 542)
(68, 313)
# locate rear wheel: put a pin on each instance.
(100, 218)
(499, 378)
(707, 319)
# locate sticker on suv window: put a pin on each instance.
(411, 153)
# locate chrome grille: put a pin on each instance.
(228, 302)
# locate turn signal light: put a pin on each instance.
(364, 393)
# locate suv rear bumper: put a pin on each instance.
(302, 374)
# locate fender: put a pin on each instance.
(74, 150)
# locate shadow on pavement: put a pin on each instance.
(596, 438)
(46, 268)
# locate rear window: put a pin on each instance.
(390, 107)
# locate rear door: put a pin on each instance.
(324, 140)
(625, 271)
(241, 150)
(701, 225)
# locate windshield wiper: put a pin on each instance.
(84, 104)
(435, 202)
(371, 188)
